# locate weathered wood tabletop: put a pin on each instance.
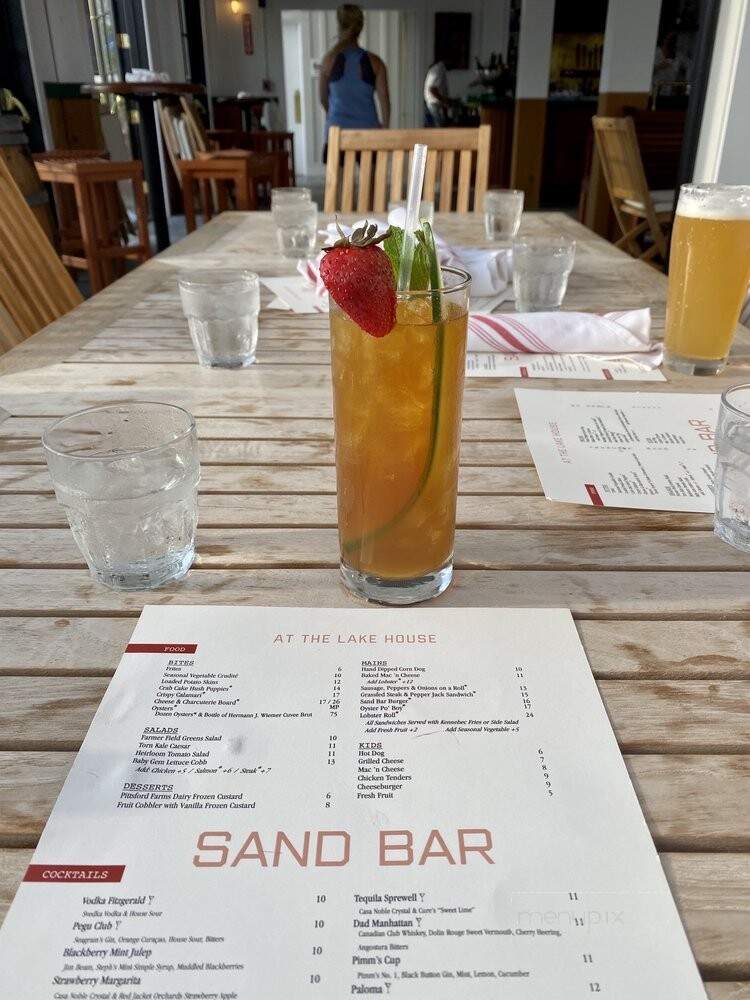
(662, 606)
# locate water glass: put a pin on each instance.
(296, 227)
(502, 213)
(127, 475)
(288, 195)
(397, 212)
(541, 268)
(732, 519)
(222, 309)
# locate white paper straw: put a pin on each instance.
(413, 201)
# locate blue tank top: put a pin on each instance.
(351, 91)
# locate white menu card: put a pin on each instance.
(653, 451)
(600, 367)
(291, 803)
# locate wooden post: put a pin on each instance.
(532, 87)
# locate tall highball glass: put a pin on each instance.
(397, 407)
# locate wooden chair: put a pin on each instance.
(104, 247)
(187, 142)
(269, 143)
(636, 209)
(10, 333)
(35, 288)
(234, 170)
(352, 153)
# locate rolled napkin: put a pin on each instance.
(614, 333)
(490, 270)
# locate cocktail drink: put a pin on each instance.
(709, 272)
(397, 407)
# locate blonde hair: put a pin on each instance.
(351, 20)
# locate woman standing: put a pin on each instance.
(350, 77)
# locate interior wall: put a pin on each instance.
(735, 160)
(231, 70)
(57, 32)
(163, 37)
(724, 146)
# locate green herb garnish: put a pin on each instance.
(420, 269)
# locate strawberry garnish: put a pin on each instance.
(359, 278)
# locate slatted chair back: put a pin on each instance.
(276, 142)
(194, 123)
(622, 166)
(177, 136)
(10, 333)
(35, 288)
(367, 168)
(617, 145)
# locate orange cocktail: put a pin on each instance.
(397, 406)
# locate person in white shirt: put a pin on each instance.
(436, 95)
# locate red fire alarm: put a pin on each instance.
(247, 34)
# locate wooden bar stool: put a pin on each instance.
(104, 246)
(68, 237)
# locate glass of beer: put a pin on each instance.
(397, 407)
(709, 272)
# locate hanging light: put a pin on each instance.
(235, 6)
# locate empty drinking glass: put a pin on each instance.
(502, 213)
(732, 520)
(127, 475)
(296, 226)
(222, 312)
(541, 268)
(286, 195)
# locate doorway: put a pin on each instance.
(306, 36)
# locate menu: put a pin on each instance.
(289, 803)
(653, 451)
(601, 367)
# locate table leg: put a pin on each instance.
(152, 170)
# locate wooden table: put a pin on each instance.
(662, 607)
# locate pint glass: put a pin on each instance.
(709, 271)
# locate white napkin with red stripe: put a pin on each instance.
(620, 334)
